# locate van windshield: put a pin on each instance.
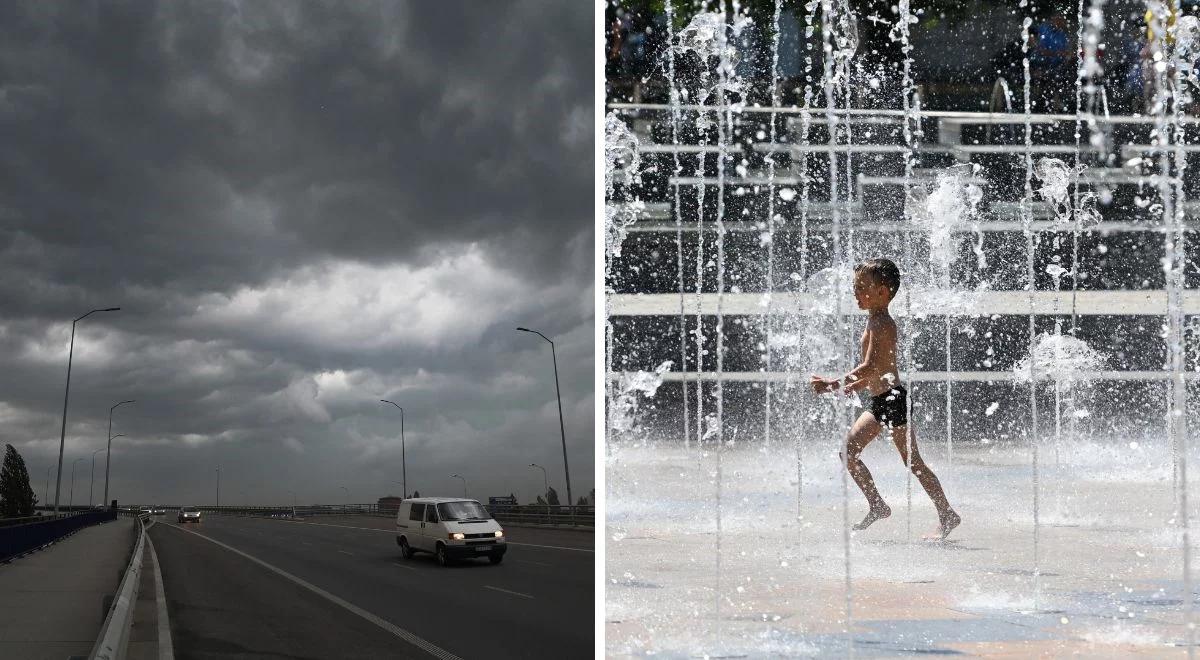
(190, 509)
(463, 511)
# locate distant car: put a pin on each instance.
(160, 511)
(145, 511)
(450, 528)
(189, 514)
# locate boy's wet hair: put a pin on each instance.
(883, 271)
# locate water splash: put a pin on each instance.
(632, 388)
(1055, 176)
(1063, 358)
(951, 202)
(621, 157)
(713, 40)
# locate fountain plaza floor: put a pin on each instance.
(1110, 555)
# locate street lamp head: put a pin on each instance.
(111, 309)
(524, 329)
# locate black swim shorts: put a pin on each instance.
(890, 408)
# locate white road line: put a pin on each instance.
(403, 566)
(515, 593)
(346, 553)
(392, 531)
(552, 547)
(166, 650)
(403, 634)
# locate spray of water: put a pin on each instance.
(900, 32)
(767, 317)
(632, 388)
(676, 119)
(947, 206)
(622, 163)
(1027, 221)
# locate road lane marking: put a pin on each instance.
(411, 638)
(166, 650)
(403, 566)
(346, 553)
(552, 547)
(515, 593)
(392, 531)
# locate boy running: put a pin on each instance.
(875, 285)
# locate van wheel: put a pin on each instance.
(495, 559)
(441, 555)
(405, 550)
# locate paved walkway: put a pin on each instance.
(53, 602)
(1106, 580)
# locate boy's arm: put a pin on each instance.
(880, 336)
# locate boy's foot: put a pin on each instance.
(948, 523)
(876, 513)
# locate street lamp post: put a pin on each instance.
(46, 502)
(545, 480)
(108, 456)
(403, 460)
(92, 481)
(464, 480)
(62, 438)
(72, 501)
(561, 427)
(218, 486)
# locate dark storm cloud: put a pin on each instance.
(218, 141)
(301, 207)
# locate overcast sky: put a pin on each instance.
(301, 208)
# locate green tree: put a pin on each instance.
(16, 496)
(552, 496)
(416, 493)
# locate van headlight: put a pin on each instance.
(458, 536)
(499, 533)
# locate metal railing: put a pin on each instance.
(31, 533)
(535, 514)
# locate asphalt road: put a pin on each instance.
(374, 604)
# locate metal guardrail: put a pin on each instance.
(536, 514)
(33, 533)
(113, 642)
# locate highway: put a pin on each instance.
(339, 588)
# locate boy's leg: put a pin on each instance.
(863, 431)
(929, 481)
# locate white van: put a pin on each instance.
(450, 528)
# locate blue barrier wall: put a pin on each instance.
(18, 539)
